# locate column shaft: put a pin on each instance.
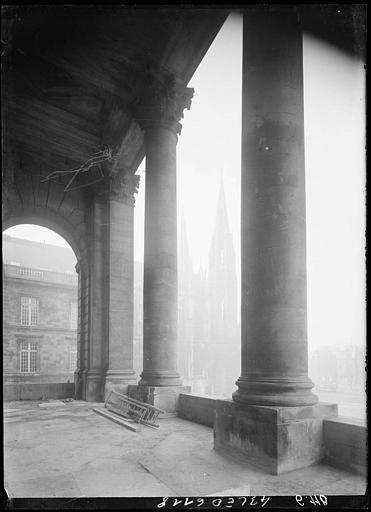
(273, 224)
(85, 297)
(79, 362)
(120, 313)
(160, 300)
(98, 332)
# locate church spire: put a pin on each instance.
(222, 224)
(185, 261)
(221, 248)
(222, 300)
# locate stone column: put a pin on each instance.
(158, 114)
(98, 328)
(273, 223)
(286, 432)
(120, 371)
(84, 314)
(82, 269)
(78, 370)
(160, 290)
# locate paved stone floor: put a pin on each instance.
(56, 449)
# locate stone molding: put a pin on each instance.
(124, 374)
(275, 390)
(123, 187)
(157, 377)
(119, 186)
(162, 102)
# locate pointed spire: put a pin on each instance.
(185, 261)
(222, 223)
(222, 239)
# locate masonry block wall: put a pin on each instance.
(53, 334)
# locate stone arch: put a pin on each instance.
(58, 225)
(28, 200)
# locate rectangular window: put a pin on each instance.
(29, 311)
(28, 357)
(73, 315)
(72, 358)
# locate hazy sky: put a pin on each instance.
(209, 147)
(334, 101)
(38, 234)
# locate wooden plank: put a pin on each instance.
(116, 419)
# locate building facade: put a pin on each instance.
(39, 315)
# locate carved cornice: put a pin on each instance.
(123, 187)
(162, 102)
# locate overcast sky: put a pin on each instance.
(209, 147)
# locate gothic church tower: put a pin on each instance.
(222, 290)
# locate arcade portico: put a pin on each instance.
(112, 81)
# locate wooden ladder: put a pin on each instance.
(137, 411)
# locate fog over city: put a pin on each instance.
(209, 266)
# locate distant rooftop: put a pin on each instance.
(27, 253)
(43, 256)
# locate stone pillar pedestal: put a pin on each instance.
(84, 378)
(163, 397)
(274, 439)
(94, 385)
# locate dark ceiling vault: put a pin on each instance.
(72, 74)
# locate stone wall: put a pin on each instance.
(53, 334)
(196, 408)
(344, 439)
(38, 391)
(346, 444)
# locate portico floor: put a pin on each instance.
(56, 449)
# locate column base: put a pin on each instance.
(84, 376)
(78, 379)
(275, 391)
(163, 397)
(160, 378)
(274, 439)
(119, 380)
(94, 386)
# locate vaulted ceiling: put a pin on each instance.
(72, 74)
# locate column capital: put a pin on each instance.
(162, 102)
(120, 186)
(78, 267)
